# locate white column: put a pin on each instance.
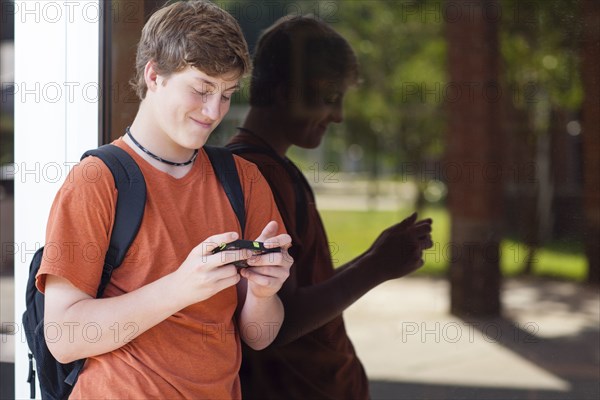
(56, 120)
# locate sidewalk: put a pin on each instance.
(547, 346)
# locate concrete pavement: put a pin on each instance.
(547, 345)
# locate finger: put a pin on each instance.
(211, 243)
(225, 272)
(255, 277)
(428, 221)
(426, 242)
(226, 282)
(284, 241)
(408, 221)
(230, 256)
(268, 231)
(282, 259)
(421, 230)
(263, 280)
(411, 219)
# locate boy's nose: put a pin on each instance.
(211, 107)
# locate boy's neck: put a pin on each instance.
(147, 133)
(262, 122)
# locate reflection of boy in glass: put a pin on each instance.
(302, 69)
(171, 319)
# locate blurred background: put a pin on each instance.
(481, 114)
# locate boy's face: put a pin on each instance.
(189, 104)
(312, 110)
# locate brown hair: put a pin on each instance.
(191, 33)
(296, 50)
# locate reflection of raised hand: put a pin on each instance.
(398, 250)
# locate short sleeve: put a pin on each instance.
(79, 226)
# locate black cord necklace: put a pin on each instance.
(145, 150)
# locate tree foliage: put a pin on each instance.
(540, 48)
(396, 113)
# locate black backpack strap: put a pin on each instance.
(131, 201)
(227, 173)
(294, 173)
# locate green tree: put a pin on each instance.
(540, 50)
(396, 113)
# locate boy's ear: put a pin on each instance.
(151, 76)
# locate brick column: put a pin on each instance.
(590, 74)
(473, 159)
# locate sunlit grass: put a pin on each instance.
(558, 259)
(350, 233)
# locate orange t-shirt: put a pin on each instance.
(196, 352)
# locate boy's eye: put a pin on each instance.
(203, 92)
(224, 97)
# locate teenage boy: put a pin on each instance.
(170, 322)
(301, 71)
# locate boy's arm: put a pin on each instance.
(71, 311)
(261, 311)
(396, 253)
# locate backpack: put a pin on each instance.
(57, 380)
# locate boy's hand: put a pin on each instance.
(398, 250)
(266, 273)
(203, 274)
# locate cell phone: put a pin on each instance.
(258, 248)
